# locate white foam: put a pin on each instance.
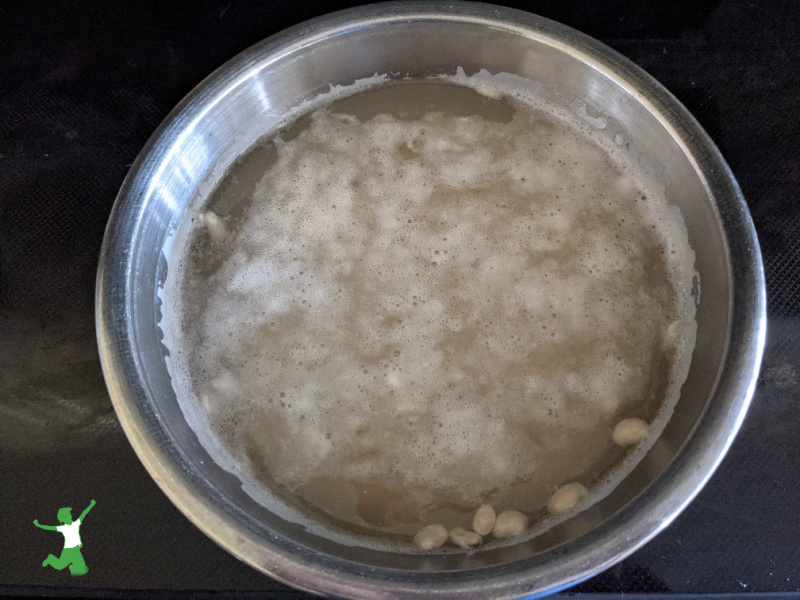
(383, 387)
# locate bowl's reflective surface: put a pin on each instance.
(245, 99)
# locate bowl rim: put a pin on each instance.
(609, 543)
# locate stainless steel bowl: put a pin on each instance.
(244, 100)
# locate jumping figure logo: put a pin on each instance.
(71, 555)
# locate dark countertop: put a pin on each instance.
(82, 87)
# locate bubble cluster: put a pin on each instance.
(451, 307)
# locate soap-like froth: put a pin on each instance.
(446, 307)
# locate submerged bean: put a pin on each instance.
(431, 537)
(566, 497)
(630, 431)
(483, 523)
(465, 539)
(510, 523)
(214, 225)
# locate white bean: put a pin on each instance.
(509, 523)
(465, 539)
(483, 523)
(670, 338)
(431, 537)
(214, 225)
(630, 431)
(672, 331)
(566, 497)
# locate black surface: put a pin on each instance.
(82, 87)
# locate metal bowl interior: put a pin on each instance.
(244, 100)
